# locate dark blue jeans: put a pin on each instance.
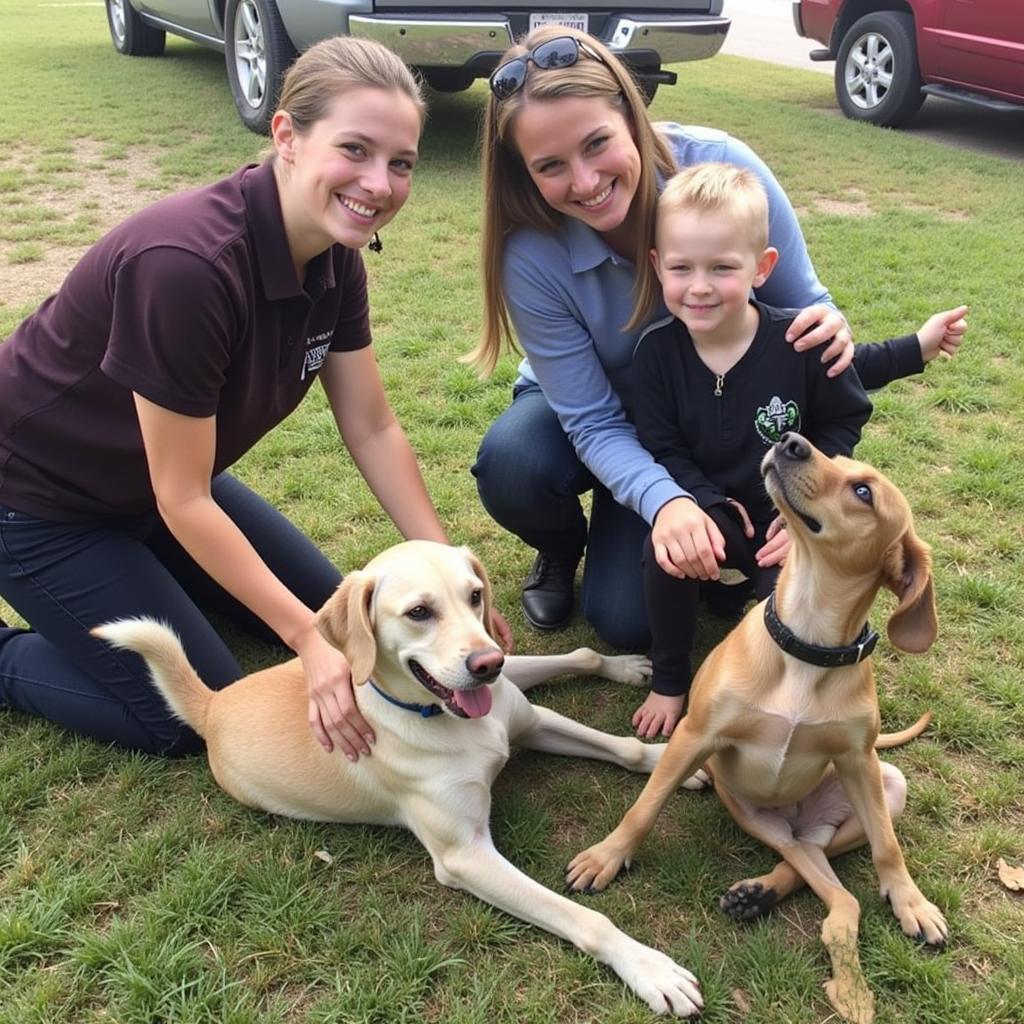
(64, 578)
(530, 481)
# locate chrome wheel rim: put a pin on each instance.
(869, 70)
(250, 53)
(116, 8)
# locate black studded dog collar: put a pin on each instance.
(824, 657)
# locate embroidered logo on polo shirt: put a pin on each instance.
(775, 418)
(316, 352)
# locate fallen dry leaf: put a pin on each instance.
(1011, 877)
(324, 856)
(739, 997)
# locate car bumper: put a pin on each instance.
(798, 21)
(476, 44)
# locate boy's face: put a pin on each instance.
(707, 265)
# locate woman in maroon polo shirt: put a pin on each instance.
(177, 342)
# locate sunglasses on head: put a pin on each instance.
(562, 52)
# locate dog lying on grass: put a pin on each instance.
(446, 706)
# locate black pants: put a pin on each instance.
(672, 603)
(65, 578)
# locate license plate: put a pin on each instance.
(577, 21)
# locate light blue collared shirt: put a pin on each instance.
(569, 295)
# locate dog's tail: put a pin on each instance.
(184, 692)
(894, 739)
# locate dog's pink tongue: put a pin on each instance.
(476, 703)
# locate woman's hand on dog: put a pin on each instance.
(687, 543)
(334, 715)
(502, 631)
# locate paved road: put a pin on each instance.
(763, 30)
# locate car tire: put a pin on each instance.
(130, 34)
(877, 77)
(448, 79)
(257, 51)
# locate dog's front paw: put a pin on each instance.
(592, 870)
(657, 979)
(918, 917)
(631, 669)
(748, 900)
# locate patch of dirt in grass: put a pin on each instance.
(26, 283)
(912, 203)
(973, 970)
(801, 918)
(294, 999)
(952, 216)
(99, 188)
(853, 204)
(105, 914)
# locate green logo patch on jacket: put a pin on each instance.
(775, 418)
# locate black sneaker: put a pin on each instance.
(548, 591)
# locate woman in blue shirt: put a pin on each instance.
(572, 170)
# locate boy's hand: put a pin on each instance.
(687, 543)
(658, 715)
(776, 544)
(748, 526)
(943, 333)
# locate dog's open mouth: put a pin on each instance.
(774, 482)
(473, 703)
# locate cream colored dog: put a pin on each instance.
(446, 706)
(784, 711)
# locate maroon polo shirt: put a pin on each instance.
(193, 303)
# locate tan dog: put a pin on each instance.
(788, 724)
(445, 706)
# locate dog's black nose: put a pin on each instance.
(486, 664)
(794, 446)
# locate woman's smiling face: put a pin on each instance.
(351, 173)
(581, 155)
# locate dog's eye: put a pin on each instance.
(863, 492)
(476, 598)
(420, 613)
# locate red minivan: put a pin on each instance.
(891, 54)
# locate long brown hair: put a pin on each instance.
(511, 199)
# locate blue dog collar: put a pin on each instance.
(423, 710)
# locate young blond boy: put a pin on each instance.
(715, 384)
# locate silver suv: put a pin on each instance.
(450, 43)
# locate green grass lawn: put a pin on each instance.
(134, 891)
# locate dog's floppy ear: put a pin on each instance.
(477, 566)
(913, 626)
(344, 622)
